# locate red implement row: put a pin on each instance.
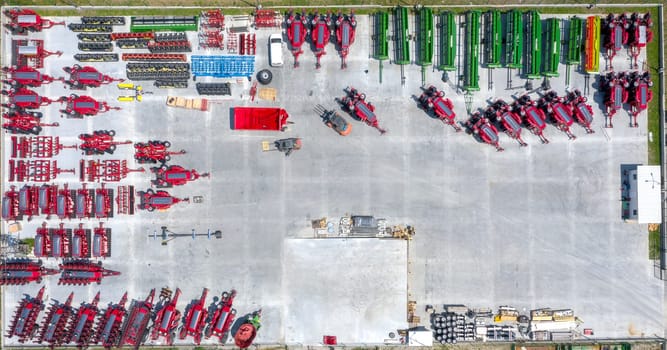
(195, 319)
(37, 146)
(25, 317)
(35, 170)
(320, 34)
(23, 98)
(109, 170)
(24, 122)
(26, 76)
(174, 175)
(212, 19)
(55, 323)
(100, 142)
(223, 316)
(87, 76)
(161, 200)
(107, 332)
(345, 33)
(30, 53)
(80, 106)
(163, 57)
(134, 329)
(80, 330)
(354, 102)
(82, 272)
(167, 317)
(297, 31)
(267, 19)
(23, 271)
(154, 152)
(24, 20)
(482, 128)
(434, 102)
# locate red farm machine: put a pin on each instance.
(64, 206)
(154, 151)
(267, 19)
(53, 330)
(10, 205)
(103, 206)
(101, 244)
(48, 200)
(195, 319)
(560, 112)
(80, 242)
(30, 53)
(583, 112)
(26, 76)
(80, 330)
(135, 327)
(640, 94)
(83, 272)
(482, 128)
(223, 316)
(616, 33)
(23, 271)
(37, 146)
(108, 170)
(345, 33)
(501, 113)
(640, 35)
(174, 175)
(100, 142)
(87, 76)
(83, 202)
(161, 200)
(297, 31)
(167, 317)
(60, 244)
(40, 170)
(28, 201)
(25, 317)
(616, 87)
(23, 98)
(320, 34)
(80, 106)
(107, 332)
(355, 103)
(434, 102)
(22, 21)
(42, 245)
(25, 122)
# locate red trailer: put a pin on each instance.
(83, 202)
(160, 200)
(29, 201)
(321, 33)
(482, 128)
(80, 106)
(259, 118)
(87, 76)
(83, 272)
(25, 317)
(26, 76)
(134, 329)
(23, 271)
(434, 102)
(42, 247)
(55, 323)
(167, 318)
(107, 332)
(174, 175)
(354, 102)
(154, 151)
(23, 98)
(195, 319)
(345, 33)
(223, 316)
(297, 31)
(79, 242)
(101, 243)
(80, 330)
(24, 122)
(23, 20)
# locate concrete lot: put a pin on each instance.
(531, 227)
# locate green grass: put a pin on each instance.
(29, 241)
(654, 244)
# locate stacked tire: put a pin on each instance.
(450, 328)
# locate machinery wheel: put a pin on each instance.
(167, 158)
(208, 331)
(150, 191)
(166, 144)
(163, 167)
(225, 295)
(264, 76)
(233, 311)
(183, 333)
(36, 130)
(111, 133)
(150, 208)
(111, 149)
(362, 96)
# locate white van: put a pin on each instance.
(276, 50)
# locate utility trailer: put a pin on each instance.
(259, 118)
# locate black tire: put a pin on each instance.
(166, 144)
(111, 133)
(264, 76)
(111, 149)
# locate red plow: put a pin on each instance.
(23, 271)
(55, 323)
(354, 102)
(167, 317)
(24, 122)
(87, 76)
(25, 317)
(82, 271)
(154, 152)
(434, 102)
(297, 31)
(80, 330)
(107, 332)
(345, 33)
(26, 76)
(26, 20)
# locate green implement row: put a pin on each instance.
(164, 23)
(424, 36)
(514, 39)
(380, 28)
(534, 45)
(401, 36)
(575, 39)
(552, 48)
(493, 41)
(471, 67)
(447, 34)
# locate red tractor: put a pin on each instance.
(195, 319)
(583, 112)
(501, 113)
(26, 76)
(80, 106)
(87, 76)
(641, 94)
(297, 31)
(160, 200)
(80, 330)
(83, 271)
(23, 20)
(223, 316)
(100, 142)
(434, 103)
(320, 34)
(561, 114)
(345, 33)
(23, 98)
(25, 317)
(107, 332)
(355, 103)
(154, 152)
(167, 318)
(174, 175)
(23, 271)
(25, 122)
(134, 329)
(55, 323)
(484, 130)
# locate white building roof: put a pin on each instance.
(648, 194)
